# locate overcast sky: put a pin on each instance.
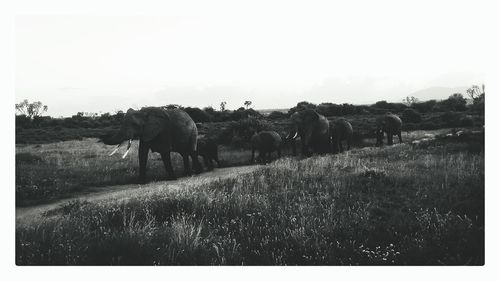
(274, 55)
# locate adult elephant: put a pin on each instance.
(313, 129)
(265, 142)
(340, 130)
(159, 130)
(391, 125)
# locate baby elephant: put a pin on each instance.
(340, 130)
(265, 142)
(391, 125)
(207, 148)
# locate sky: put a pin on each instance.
(274, 54)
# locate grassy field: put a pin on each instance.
(56, 170)
(405, 204)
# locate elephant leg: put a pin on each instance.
(205, 161)
(165, 157)
(143, 161)
(341, 149)
(400, 138)
(253, 155)
(210, 163)
(196, 163)
(216, 158)
(187, 166)
(389, 139)
(348, 144)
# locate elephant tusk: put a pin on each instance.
(116, 149)
(295, 136)
(128, 149)
(125, 155)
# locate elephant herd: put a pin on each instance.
(172, 130)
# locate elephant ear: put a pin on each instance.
(315, 116)
(155, 122)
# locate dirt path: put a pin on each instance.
(120, 191)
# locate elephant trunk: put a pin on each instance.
(118, 140)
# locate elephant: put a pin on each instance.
(159, 130)
(265, 142)
(207, 148)
(390, 124)
(313, 129)
(340, 130)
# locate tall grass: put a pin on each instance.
(396, 205)
(55, 170)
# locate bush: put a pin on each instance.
(411, 116)
(467, 121)
(277, 115)
(451, 118)
(428, 126)
(239, 133)
(390, 106)
(242, 113)
(455, 102)
(426, 106)
(23, 121)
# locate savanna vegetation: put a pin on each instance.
(421, 202)
(413, 204)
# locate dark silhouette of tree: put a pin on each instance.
(223, 106)
(475, 92)
(247, 103)
(32, 110)
(410, 101)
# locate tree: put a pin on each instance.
(410, 101)
(223, 106)
(455, 102)
(475, 93)
(247, 103)
(32, 110)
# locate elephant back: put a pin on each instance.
(267, 139)
(389, 123)
(341, 128)
(183, 130)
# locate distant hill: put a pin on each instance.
(437, 93)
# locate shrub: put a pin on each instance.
(389, 106)
(426, 106)
(277, 115)
(23, 121)
(411, 116)
(239, 133)
(455, 102)
(451, 118)
(428, 126)
(467, 121)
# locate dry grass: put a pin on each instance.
(396, 205)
